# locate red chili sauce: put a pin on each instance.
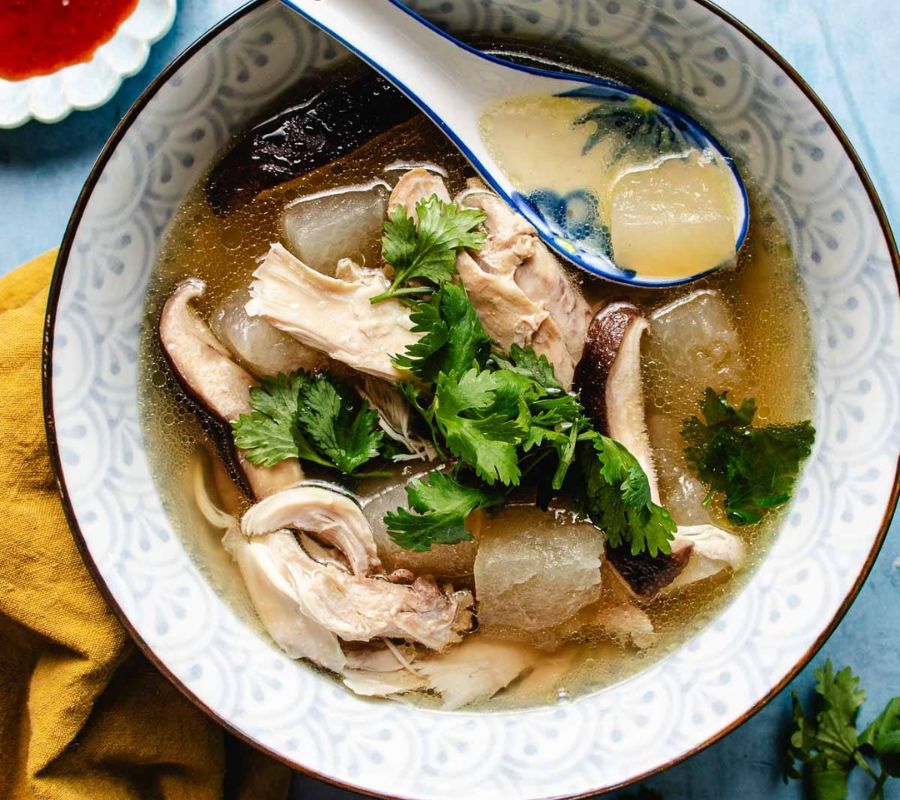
(40, 36)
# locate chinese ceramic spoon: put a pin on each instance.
(622, 185)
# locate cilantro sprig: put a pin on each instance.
(311, 417)
(828, 745)
(453, 337)
(423, 255)
(753, 468)
(617, 493)
(500, 416)
(438, 506)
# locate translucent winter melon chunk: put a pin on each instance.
(321, 229)
(682, 493)
(535, 569)
(693, 343)
(675, 218)
(443, 560)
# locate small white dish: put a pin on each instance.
(81, 87)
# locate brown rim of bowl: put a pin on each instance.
(50, 424)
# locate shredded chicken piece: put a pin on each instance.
(509, 316)
(265, 563)
(333, 315)
(330, 515)
(395, 419)
(519, 290)
(712, 550)
(261, 562)
(353, 604)
(475, 670)
(207, 370)
(415, 185)
(514, 248)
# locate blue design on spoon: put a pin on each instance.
(573, 217)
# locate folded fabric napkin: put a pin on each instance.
(82, 713)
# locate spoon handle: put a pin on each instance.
(450, 81)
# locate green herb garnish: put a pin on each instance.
(504, 419)
(828, 744)
(754, 468)
(343, 427)
(618, 499)
(501, 416)
(441, 504)
(453, 337)
(426, 253)
(313, 418)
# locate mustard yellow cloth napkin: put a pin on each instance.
(82, 713)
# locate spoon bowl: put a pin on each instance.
(457, 86)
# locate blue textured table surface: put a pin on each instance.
(850, 53)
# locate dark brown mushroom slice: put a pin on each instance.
(646, 575)
(318, 125)
(609, 380)
(218, 386)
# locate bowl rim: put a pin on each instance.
(72, 226)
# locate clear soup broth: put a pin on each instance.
(770, 360)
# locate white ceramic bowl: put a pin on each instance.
(80, 87)
(765, 115)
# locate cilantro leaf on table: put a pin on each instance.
(441, 504)
(453, 336)
(754, 468)
(313, 418)
(617, 495)
(882, 738)
(343, 426)
(829, 746)
(271, 432)
(427, 252)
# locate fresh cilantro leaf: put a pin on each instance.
(618, 501)
(828, 745)
(271, 432)
(453, 336)
(512, 395)
(836, 737)
(472, 391)
(882, 737)
(755, 468)
(426, 252)
(344, 427)
(313, 418)
(481, 437)
(525, 361)
(441, 504)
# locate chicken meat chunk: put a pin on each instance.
(519, 290)
(353, 603)
(333, 314)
